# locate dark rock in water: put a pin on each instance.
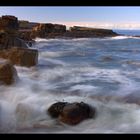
(20, 56)
(74, 113)
(71, 113)
(55, 109)
(8, 73)
(107, 58)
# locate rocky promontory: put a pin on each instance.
(59, 31)
(12, 46)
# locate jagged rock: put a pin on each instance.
(9, 24)
(20, 56)
(8, 73)
(71, 113)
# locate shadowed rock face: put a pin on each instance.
(20, 56)
(9, 33)
(8, 73)
(8, 41)
(71, 113)
(9, 24)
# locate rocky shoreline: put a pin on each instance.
(16, 38)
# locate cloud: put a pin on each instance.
(121, 25)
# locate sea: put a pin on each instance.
(103, 72)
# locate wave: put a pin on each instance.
(124, 37)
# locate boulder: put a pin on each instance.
(20, 56)
(56, 108)
(8, 73)
(71, 113)
(74, 113)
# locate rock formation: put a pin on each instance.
(8, 73)
(9, 24)
(20, 56)
(48, 29)
(71, 113)
(12, 46)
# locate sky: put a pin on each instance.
(93, 16)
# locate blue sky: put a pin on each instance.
(111, 17)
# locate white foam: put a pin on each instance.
(23, 106)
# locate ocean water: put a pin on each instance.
(128, 32)
(104, 73)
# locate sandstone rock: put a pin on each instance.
(43, 30)
(20, 56)
(9, 24)
(71, 113)
(8, 73)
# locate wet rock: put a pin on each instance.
(56, 108)
(20, 56)
(74, 113)
(71, 113)
(8, 73)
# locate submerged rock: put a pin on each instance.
(20, 56)
(71, 113)
(8, 73)
(107, 58)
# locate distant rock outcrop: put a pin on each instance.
(45, 30)
(57, 31)
(8, 73)
(77, 31)
(20, 56)
(71, 113)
